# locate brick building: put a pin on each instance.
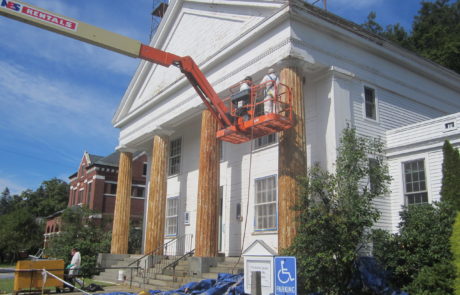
(94, 185)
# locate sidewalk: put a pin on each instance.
(111, 289)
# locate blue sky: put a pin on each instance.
(58, 95)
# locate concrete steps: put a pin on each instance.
(111, 275)
(158, 278)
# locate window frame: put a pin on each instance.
(415, 192)
(145, 168)
(375, 103)
(259, 145)
(172, 217)
(89, 188)
(171, 157)
(260, 204)
(371, 161)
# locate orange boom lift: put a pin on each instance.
(234, 128)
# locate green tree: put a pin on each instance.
(335, 214)
(81, 231)
(419, 256)
(371, 24)
(435, 32)
(50, 197)
(135, 237)
(450, 190)
(20, 231)
(5, 201)
(455, 246)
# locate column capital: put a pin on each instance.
(125, 149)
(293, 62)
(160, 131)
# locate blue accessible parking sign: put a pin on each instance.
(285, 275)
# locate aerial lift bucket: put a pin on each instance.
(256, 112)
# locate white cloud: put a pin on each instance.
(39, 44)
(14, 187)
(35, 103)
(350, 4)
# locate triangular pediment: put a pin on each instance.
(259, 248)
(200, 29)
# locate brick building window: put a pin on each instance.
(174, 156)
(80, 196)
(144, 169)
(415, 182)
(265, 204)
(137, 192)
(110, 188)
(171, 216)
(88, 195)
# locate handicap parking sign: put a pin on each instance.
(285, 275)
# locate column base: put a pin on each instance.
(107, 259)
(200, 265)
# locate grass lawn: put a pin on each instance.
(103, 284)
(7, 265)
(6, 286)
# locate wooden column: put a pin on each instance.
(155, 226)
(122, 205)
(292, 159)
(206, 241)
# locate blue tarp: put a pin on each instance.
(370, 274)
(225, 284)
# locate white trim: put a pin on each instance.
(90, 170)
(140, 155)
(99, 177)
(412, 158)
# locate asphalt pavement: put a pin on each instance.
(6, 273)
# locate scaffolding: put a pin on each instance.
(159, 8)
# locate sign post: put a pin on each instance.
(285, 275)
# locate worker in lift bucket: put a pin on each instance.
(271, 81)
(241, 99)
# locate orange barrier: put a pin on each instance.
(28, 274)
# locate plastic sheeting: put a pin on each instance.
(370, 275)
(225, 284)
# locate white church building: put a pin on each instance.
(341, 75)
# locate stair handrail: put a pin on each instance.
(155, 250)
(176, 262)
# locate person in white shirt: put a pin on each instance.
(74, 266)
(75, 262)
(270, 80)
(241, 99)
(246, 84)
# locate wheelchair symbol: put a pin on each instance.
(284, 276)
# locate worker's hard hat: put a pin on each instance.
(271, 70)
